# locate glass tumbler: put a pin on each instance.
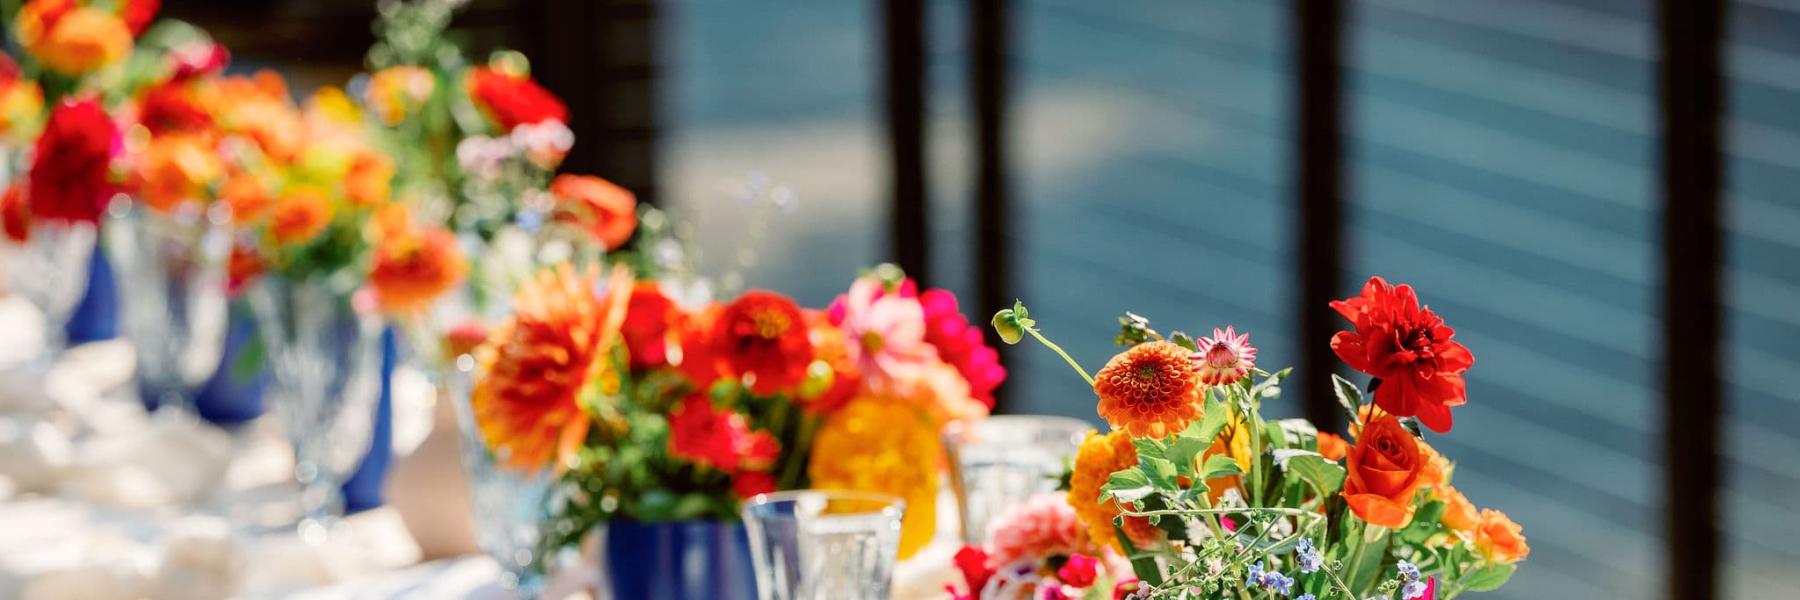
(50, 269)
(823, 545)
(1000, 462)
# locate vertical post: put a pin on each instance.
(1692, 93)
(600, 56)
(904, 56)
(988, 78)
(1319, 183)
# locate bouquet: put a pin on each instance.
(654, 410)
(1207, 499)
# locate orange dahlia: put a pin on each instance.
(1151, 390)
(537, 366)
(415, 267)
(606, 210)
(877, 444)
(762, 338)
(1095, 462)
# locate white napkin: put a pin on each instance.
(33, 453)
(176, 459)
(200, 559)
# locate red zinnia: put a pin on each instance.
(69, 171)
(721, 439)
(513, 100)
(1408, 348)
(763, 335)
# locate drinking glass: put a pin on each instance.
(823, 545)
(510, 504)
(1000, 462)
(50, 269)
(172, 276)
(324, 353)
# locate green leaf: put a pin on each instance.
(1161, 473)
(1348, 396)
(1297, 433)
(1182, 451)
(1220, 465)
(1134, 330)
(1182, 339)
(1325, 476)
(1209, 426)
(1270, 386)
(1129, 485)
(1488, 578)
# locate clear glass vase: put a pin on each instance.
(325, 355)
(823, 545)
(171, 273)
(1000, 462)
(510, 505)
(50, 270)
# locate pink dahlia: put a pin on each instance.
(962, 345)
(1225, 357)
(1038, 528)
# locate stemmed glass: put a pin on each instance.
(510, 504)
(1000, 462)
(823, 545)
(50, 270)
(324, 349)
(172, 273)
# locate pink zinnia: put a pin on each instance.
(1225, 357)
(886, 333)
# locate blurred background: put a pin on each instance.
(1501, 156)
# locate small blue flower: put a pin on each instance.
(1408, 571)
(1278, 583)
(1256, 575)
(1306, 597)
(1416, 589)
(1309, 558)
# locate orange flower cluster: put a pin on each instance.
(75, 37)
(1099, 456)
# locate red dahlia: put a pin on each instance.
(1408, 348)
(513, 100)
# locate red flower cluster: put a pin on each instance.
(723, 440)
(69, 172)
(763, 337)
(973, 562)
(1408, 348)
(961, 344)
(650, 319)
(171, 107)
(512, 100)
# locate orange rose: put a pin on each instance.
(299, 216)
(72, 41)
(1332, 447)
(1386, 466)
(176, 169)
(1498, 538)
(1459, 514)
(606, 209)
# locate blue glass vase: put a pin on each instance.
(96, 318)
(234, 394)
(678, 560)
(363, 490)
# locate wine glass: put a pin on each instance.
(172, 276)
(324, 350)
(49, 269)
(1000, 462)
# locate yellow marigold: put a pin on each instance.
(879, 444)
(1098, 458)
(75, 42)
(1233, 441)
(1150, 390)
(537, 365)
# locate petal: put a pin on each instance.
(1379, 511)
(1349, 348)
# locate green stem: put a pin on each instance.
(1059, 351)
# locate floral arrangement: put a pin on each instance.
(104, 103)
(655, 410)
(1207, 499)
